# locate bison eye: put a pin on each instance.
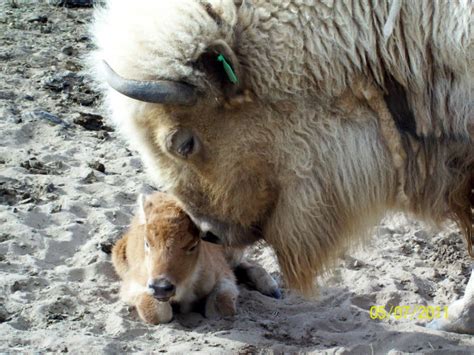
(187, 147)
(182, 143)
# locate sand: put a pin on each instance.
(68, 186)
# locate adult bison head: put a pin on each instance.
(178, 90)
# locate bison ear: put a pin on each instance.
(222, 68)
(141, 201)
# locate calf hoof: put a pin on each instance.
(153, 311)
(226, 304)
(222, 300)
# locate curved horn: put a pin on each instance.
(160, 92)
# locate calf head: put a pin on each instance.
(171, 243)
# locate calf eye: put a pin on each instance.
(193, 248)
(147, 246)
(182, 143)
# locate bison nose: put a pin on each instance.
(162, 289)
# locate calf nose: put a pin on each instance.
(162, 288)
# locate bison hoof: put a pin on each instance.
(276, 294)
(460, 318)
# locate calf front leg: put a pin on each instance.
(153, 311)
(460, 313)
(222, 300)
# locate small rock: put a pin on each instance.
(95, 203)
(8, 196)
(43, 115)
(46, 29)
(72, 66)
(97, 166)
(49, 188)
(4, 315)
(55, 208)
(35, 167)
(106, 247)
(17, 286)
(63, 82)
(102, 135)
(13, 119)
(91, 122)
(73, 3)
(68, 50)
(7, 95)
(353, 263)
(39, 18)
(90, 178)
(422, 234)
(4, 237)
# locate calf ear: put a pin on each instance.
(141, 209)
(222, 68)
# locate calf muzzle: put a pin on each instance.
(162, 289)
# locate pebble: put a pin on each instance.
(73, 3)
(38, 18)
(89, 178)
(91, 122)
(97, 166)
(43, 115)
(68, 50)
(7, 95)
(55, 208)
(106, 247)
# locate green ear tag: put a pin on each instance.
(228, 69)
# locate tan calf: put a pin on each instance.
(162, 260)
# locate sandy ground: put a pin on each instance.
(68, 185)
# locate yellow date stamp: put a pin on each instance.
(415, 312)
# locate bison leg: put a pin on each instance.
(257, 277)
(460, 313)
(153, 311)
(251, 274)
(222, 300)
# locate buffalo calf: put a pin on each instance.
(162, 261)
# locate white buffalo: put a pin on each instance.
(301, 121)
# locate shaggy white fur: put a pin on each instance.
(305, 162)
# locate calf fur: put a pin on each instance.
(162, 260)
